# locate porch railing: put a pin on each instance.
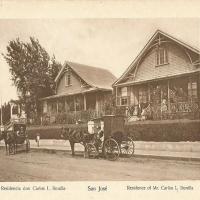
(71, 117)
(184, 107)
(179, 110)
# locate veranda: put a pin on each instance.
(73, 108)
(169, 98)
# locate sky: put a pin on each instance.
(108, 43)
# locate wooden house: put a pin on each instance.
(81, 93)
(163, 82)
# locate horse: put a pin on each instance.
(76, 136)
(10, 141)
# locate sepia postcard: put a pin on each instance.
(99, 100)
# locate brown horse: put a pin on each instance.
(10, 142)
(76, 136)
(13, 138)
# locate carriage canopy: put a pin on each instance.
(110, 124)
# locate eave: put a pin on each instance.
(156, 79)
(75, 93)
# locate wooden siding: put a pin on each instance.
(179, 63)
(75, 84)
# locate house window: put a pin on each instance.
(124, 91)
(161, 56)
(68, 79)
(124, 99)
(192, 88)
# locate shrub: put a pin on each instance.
(162, 131)
(50, 132)
(171, 131)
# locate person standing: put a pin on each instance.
(38, 139)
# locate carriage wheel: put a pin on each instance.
(11, 148)
(91, 150)
(27, 146)
(128, 147)
(111, 149)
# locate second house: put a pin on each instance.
(82, 92)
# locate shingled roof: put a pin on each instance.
(96, 77)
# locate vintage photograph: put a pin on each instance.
(100, 99)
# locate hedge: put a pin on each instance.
(51, 132)
(165, 131)
(160, 131)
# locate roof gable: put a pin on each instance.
(93, 76)
(158, 38)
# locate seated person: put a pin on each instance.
(164, 105)
(20, 132)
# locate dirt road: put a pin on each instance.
(40, 166)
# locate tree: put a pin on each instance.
(5, 109)
(32, 72)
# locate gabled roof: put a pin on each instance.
(146, 47)
(93, 76)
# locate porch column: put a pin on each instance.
(66, 105)
(96, 104)
(168, 95)
(84, 102)
(75, 108)
(74, 103)
(149, 93)
(56, 106)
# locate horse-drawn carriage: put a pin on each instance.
(113, 142)
(104, 136)
(15, 136)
